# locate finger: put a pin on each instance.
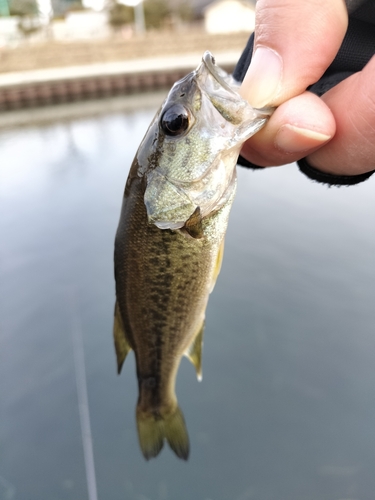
(295, 42)
(297, 128)
(352, 102)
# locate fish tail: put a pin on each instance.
(153, 430)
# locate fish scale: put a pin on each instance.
(169, 242)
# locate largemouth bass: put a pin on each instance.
(169, 242)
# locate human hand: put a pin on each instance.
(294, 44)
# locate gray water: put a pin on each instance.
(286, 408)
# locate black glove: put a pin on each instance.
(356, 50)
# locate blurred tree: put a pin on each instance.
(61, 7)
(185, 11)
(120, 15)
(156, 13)
(28, 11)
(23, 8)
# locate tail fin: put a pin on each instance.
(153, 430)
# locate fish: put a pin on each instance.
(170, 239)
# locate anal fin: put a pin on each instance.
(194, 352)
(219, 260)
(122, 345)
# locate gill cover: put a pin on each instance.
(196, 138)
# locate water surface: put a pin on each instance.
(286, 409)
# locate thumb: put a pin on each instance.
(352, 149)
(295, 42)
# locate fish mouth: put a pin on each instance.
(220, 76)
(209, 61)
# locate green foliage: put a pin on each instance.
(28, 25)
(185, 11)
(62, 7)
(23, 8)
(120, 15)
(156, 13)
(27, 10)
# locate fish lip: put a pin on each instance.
(265, 112)
(209, 61)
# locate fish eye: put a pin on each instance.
(175, 120)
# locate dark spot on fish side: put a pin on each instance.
(157, 316)
(168, 234)
(167, 279)
(155, 261)
(149, 383)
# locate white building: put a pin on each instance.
(9, 32)
(228, 16)
(82, 25)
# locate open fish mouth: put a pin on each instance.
(209, 61)
(223, 80)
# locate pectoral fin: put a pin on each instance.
(194, 352)
(193, 225)
(122, 345)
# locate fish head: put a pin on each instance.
(189, 154)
